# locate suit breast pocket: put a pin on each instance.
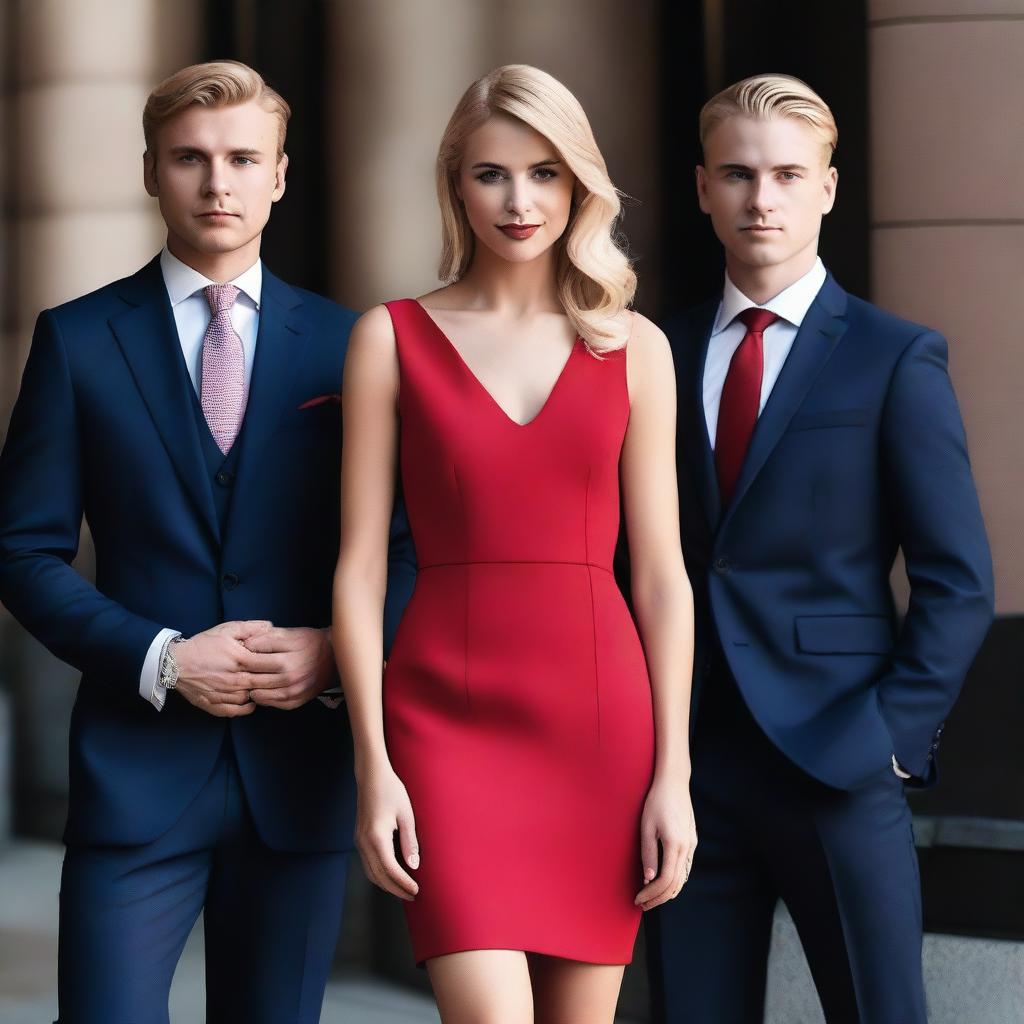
(322, 420)
(828, 418)
(844, 634)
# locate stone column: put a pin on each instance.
(948, 223)
(6, 345)
(77, 217)
(83, 71)
(7, 337)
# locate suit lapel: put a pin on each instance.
(149, 340)
(818, 336)
(280, 342)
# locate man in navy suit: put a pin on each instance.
(186, 411)
(817, 435)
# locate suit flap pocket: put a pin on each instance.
(830, 418)
(844, 634)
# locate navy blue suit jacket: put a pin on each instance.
(859, 451)
(104, 426)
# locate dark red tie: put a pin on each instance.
(741, 399)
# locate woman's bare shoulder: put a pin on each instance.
(374, 331)
(645, 333)
(647, 344)
(633, 333)
(648, 357)
(447, 297)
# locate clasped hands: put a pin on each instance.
(228, 670)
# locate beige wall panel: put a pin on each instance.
(390, 104)
(105, 39)
(947, 136)
(68, 255)
(942, 8)
(177, 37)
(6, 126)
(80, 146)
(15, 349)
(966, 282)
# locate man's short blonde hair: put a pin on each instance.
(767, 97)
(218, 83)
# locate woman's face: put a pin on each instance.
(516, 189)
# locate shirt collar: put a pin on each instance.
(182, 282)
(791, 304)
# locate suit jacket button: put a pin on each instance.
(230, 580)
(722, 565)
(224, 478)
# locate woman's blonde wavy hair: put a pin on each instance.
(596, 280)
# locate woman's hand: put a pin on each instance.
(667, 819)
(384, 808)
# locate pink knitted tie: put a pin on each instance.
(222, 392)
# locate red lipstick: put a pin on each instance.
(519, 231)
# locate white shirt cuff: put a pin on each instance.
(898, 769)
(149, 679)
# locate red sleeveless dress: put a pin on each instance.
(517, 706)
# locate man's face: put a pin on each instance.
(216, 174)
(766, 186)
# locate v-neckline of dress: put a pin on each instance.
(480, 384)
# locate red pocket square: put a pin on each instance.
(312, 403)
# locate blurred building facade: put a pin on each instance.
(929, 223)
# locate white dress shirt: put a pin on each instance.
(191, 318)
(192, 312)
(791, 305)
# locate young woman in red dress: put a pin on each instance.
(528, 750)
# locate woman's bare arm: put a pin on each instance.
(663, 603)
(368, 468)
